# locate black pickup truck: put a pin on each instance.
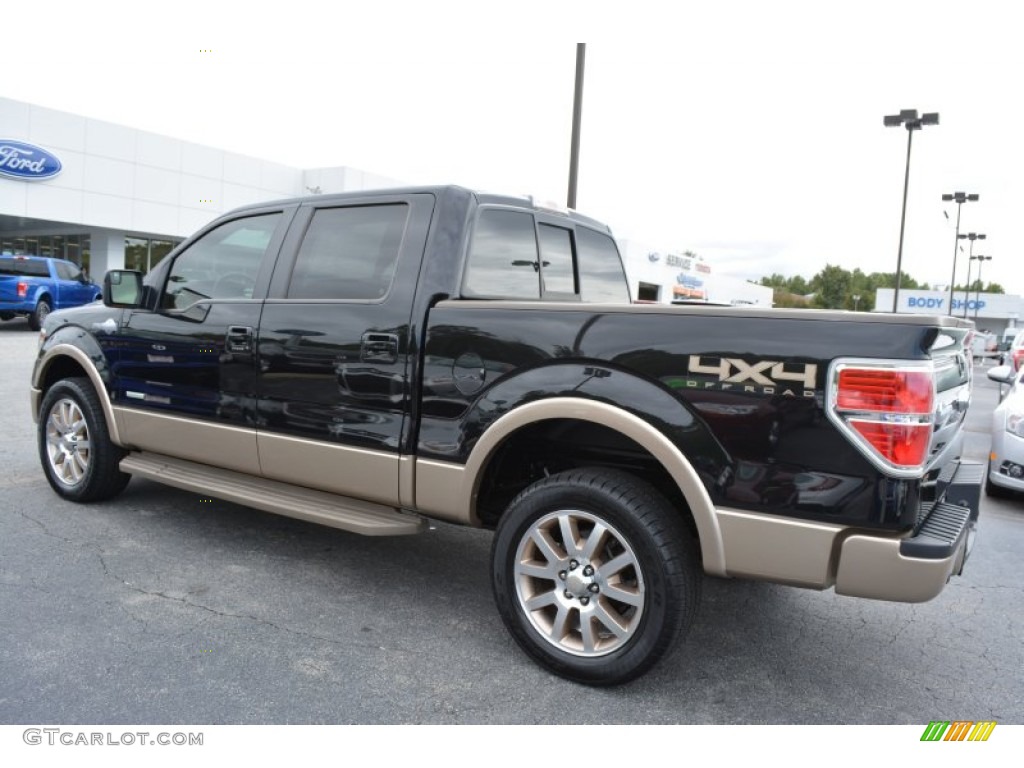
(375, 360)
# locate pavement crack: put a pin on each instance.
(213, 611)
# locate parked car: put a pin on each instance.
(34, 286)
(1015, 354)
(1006, 456)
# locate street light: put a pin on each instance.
(959, 198)
(972, 236)
(910, 120)
(977, 296)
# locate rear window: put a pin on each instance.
(515, 256)
(23, 267)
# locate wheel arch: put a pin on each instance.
(63, 360)
(442, 487)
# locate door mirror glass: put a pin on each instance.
(122, 288)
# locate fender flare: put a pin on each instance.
(458, 487)
(87, 363)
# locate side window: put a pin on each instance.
(601, 275)
(556, 262)
(222, 264)
(349, 253)
(503, 256)
(66, 271)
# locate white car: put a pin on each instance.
(1006, 458)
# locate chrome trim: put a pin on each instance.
(913, 419)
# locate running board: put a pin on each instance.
(342, 512)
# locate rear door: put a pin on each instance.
(185, 376)
(335, 345)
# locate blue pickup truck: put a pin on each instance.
(34, 286)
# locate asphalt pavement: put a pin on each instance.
(165, 607)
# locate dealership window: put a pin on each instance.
(143, 254)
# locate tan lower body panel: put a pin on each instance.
(778, 549)
(355, 472)
(191, 439)
(874, 567)
(440, 492)
(272, 496)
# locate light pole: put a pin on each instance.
(977, 296)
(577, 118)
(972, 236)
(910, 120)
(959, 198)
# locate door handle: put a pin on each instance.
(379, 348)
(239, 339)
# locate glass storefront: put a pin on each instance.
(139, 253)
(143, 254)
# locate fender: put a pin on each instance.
(74, 342)
(659, 422)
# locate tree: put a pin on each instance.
(831, 287)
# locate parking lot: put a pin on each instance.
(164, 607)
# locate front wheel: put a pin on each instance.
(595, 575)
(80, 461)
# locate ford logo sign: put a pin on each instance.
(653, 256)
(20, 160)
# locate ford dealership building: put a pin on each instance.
(107, 196)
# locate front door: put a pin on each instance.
(185, 376)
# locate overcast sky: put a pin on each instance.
(748, 132)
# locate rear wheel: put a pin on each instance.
(80, 461)
(595, 575)
(39, 314)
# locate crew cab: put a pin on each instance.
(33, 286)
(377, 360)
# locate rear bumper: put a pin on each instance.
(916, 568)
(909, 568)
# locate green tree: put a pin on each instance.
(831, 287)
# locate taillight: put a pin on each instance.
(888, 412)
(22, 290)
(1018, 355)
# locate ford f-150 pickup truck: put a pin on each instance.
(33, 286)
(375, 360)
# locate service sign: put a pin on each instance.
(21, 160)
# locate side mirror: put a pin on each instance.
(122, 288)
(1002, 373)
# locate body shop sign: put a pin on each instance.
(21, 160)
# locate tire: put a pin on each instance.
(994, 491)
(597, 610)
(6, 316)
(80, 461)
(35, 320)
